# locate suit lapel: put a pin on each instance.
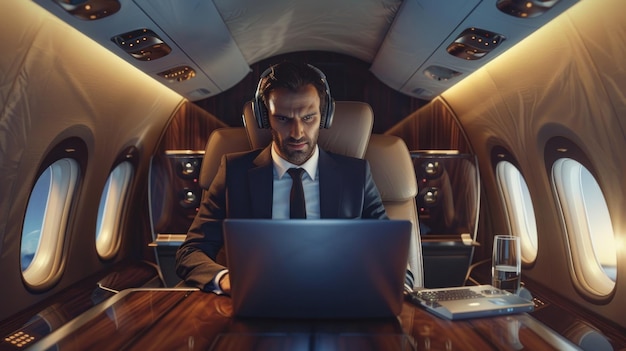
(330, 186)
(261, 184)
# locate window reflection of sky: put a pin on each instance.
(103, 200)
(600, 225)
(31, 232)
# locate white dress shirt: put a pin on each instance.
(282, 185)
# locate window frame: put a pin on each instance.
(587, 279)
(68, 159)
(519, 208)
(585, 267)
(47, 264)
(111, 209)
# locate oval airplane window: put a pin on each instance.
(588, 227)
(43, 233)
(110, 210)
(519, 208)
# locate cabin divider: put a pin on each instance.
(448, 204)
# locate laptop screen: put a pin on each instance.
(329, 268)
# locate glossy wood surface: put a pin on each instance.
(192, 320)
(582, 327)
(53, 313)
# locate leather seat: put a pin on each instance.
(221, 141)
(394, 175)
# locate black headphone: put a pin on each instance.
(260, 110)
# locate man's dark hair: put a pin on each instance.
(293, 76)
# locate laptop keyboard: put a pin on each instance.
(446, 295)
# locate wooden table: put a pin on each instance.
(187, 319)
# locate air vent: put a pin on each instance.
(440, 73)
(475, 43)
(199, 94)
(90, 9)
(525, 8)
(178, 74)
(423, 93)
(142, 44)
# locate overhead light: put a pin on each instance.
(178, 74)
(90, 9)
(142, 44)
(474, 43)
(440, 73)
(525, 8)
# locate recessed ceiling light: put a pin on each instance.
(178, 74)
(142, 44)
(475, 43)
(90, 9)
(525, 8)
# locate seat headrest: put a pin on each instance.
(257, 137)
(392, 167)
(351, 129)
(221, 141)
(348, 135)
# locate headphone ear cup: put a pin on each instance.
(258, 106)
(329, 113)
(260, 113)
(329, 110)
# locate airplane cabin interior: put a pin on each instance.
(477, 118)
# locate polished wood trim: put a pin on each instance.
(432, 127)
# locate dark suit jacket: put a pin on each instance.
(242, 188)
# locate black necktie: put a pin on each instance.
(297, 206)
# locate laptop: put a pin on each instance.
(470, 302)
(327, 268)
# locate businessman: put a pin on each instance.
(292, 100)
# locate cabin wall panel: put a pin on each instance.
(51, 89)
(567, 79)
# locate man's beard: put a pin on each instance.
(296, 157)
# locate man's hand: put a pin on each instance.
(224, 283)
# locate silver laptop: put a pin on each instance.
(327, 268)
(470, 302)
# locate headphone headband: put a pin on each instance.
(260, 110)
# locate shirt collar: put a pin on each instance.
(281, 165)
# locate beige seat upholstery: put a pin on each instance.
(348, 135)
(394, 176)
(258, 137)
(221, 141)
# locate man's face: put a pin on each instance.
(295, 122)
